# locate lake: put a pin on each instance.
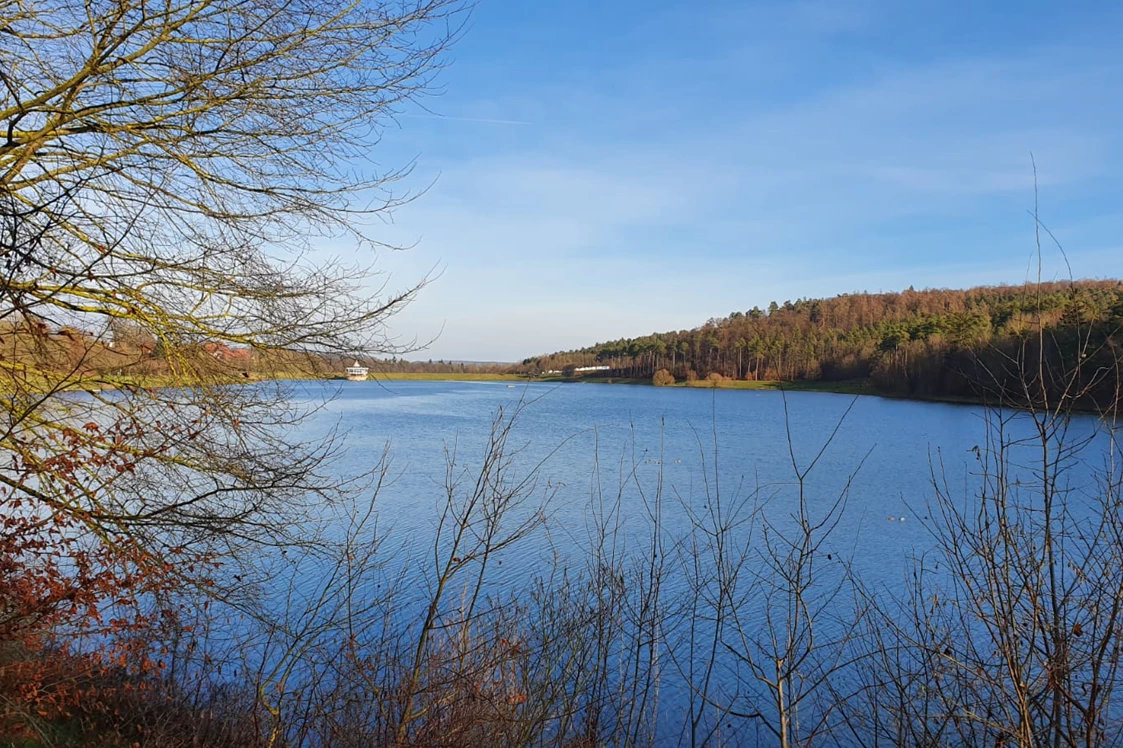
(707, 453)
(888, 445)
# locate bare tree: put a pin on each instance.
(1010, 629)
(167, 170)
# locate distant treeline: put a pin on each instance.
(35, 349)
(940, 342)
(403, 366)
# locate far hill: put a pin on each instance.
(933, 343)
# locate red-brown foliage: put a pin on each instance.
(78, 603)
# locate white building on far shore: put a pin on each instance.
(356, 373)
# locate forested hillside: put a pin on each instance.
(926, 343)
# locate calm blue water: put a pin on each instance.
(887, 446)
(709, 447)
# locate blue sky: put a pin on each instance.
(610, 169)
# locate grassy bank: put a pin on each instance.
(845, 387)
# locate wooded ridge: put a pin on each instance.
(935, 342)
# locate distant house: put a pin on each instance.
(572, 370)
(356, 373)
(223, 352)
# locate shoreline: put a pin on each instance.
(851, 387)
